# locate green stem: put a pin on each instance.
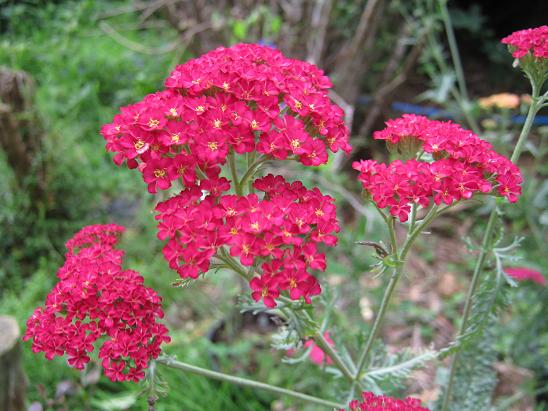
(233, 264)
(413, 217)
(251, 169)
(392, 231)
(529, 120)
(453, 48)
(396, 275)
(250, 163)
(462, 97)
(234, 172)
(486, 244)
(468, 304)
(322, 343)
(378, 320)
(171, 363)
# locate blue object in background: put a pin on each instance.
(439, 113)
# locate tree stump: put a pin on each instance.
(20, 131)
(12, 378)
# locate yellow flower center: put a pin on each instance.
(160, 172)
(295, 143)
(213, 145)
(153, 123)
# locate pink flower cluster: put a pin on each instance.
(529, 40)
(279, 233)
(372, 402)
(316, 355)
(524, 274)
(241, 99)
(96, 299)
(463, 164)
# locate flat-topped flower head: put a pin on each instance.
(96, 299)
(534, 41)
(242, 99)
(372, 402)
(462, 165)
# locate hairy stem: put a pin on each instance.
(486, 246)
(234, 172)
(252, 169)
(396, 275)
(322, 343)
(171, 363)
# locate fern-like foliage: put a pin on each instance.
(475, 378)
(491, 297)
(394, 369)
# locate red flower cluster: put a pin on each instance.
(372, 402)
(463, 165)
(279, 233)
(240, 99)
(95, 298)
(523, 41)
(524, 273)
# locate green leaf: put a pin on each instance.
(475, 378)
(113, 403)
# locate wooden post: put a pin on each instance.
(12, 378)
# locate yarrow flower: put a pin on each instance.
(462, 165)
(524, 273)
(372, 402)
(278, 235)
(96, 299)
(534, 41)
(242, 99)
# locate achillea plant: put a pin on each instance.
(219, 119)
